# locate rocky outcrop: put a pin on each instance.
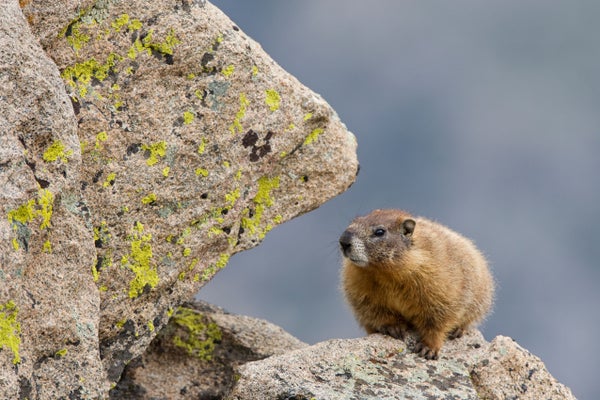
(196, 356)
(49, 305)
(143, 144)
(380, 367)
(205, 352)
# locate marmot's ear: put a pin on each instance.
(408, 227)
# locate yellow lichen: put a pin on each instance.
(202, 146)
(101, 137)
(45, 201)
(47, 247)
(201, 171)
(150, 198)
(197, 334)
(188, 117)
(120, 22)
(156, 150)
(10, 329)
(228, 70)
(236, 126)
(262, 200)
(313, 136)
(139, 261)
(61, 353)
(272, 99)
(56, 151)
(110, 179)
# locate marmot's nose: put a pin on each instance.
(345, 241)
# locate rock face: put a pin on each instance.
(49, 305)
(143, 144)
(202, 346)
(379, 367)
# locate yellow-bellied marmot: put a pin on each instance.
(402, 272)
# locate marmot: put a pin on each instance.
(401, 272)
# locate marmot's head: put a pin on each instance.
(378, 238)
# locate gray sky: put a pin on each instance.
(482, 115)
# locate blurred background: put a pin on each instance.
(482, 115)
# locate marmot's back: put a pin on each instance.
(402, 272)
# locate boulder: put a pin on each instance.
(145, 143)
(196, 355)
(49, 305)
(380, 367)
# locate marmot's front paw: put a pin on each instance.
(456, 333)
(395, 331)
(424, 351)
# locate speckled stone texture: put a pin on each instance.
(196, 355)
(143, 143)
(508, 371)
(49, 306)
(380, 367)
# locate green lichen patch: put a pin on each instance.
(101, 234)
(76, 38)
(214, 268)
(88, 33)
(150, 199)
(23, 214)
(313, 136)
(155, 151)
(201, 171)
(110, 180)
(188, 117)
(236, 126)
(79, 76)
(139, 261)
(262, 200)
(228, 70)
(272, 99)
(202, 146)
(164, 47)
(45, 201)
(197, 334)
(61, 353)
(10, 329)
(100, 138)
(19, 218)
(55, 151)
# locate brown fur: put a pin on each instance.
(401, 272)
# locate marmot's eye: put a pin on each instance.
(379, 232)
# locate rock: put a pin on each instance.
(380, 367)
(49, 306)
(507, 371)
(373, 367)
(202, 345)
(172, 143)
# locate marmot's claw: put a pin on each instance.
(424, 351)
(395, 331)
(456, 333)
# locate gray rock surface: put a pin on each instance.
(380, 367)
(49, 306)
(508, 371)
(195, 356)
(172, 142)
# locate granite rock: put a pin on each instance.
(49, 306)
(144, 143)
(380, 367)
(508, 371)
(195, 356)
